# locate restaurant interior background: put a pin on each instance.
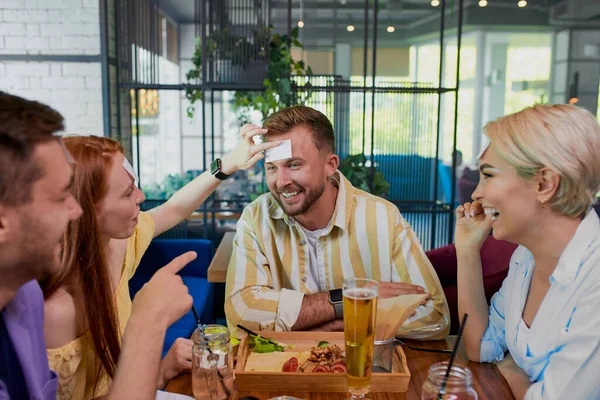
(408, 84)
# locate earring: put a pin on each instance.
(543, 203)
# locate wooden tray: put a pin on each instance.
(395, 381)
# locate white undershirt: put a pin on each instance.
(313, 273)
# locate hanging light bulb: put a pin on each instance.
(300, 24)
(522, 3)
(350, 28)
(435, 3)
(390, 28)
(483, 3)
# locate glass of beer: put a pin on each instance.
(360, 308)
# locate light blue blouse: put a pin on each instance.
(562, 350)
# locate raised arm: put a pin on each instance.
(472, 228)
(191, 196)
(410, 261)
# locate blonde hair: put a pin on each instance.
(561, 137)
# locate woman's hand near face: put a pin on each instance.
(246, 154)
(472, 226)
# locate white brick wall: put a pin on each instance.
(74, 89)
(30, 26)
(55, 27)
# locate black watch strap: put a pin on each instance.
(215, 169)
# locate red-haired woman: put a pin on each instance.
(88, 304)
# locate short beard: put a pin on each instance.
(36, 256)
(309, 199)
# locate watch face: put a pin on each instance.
(215, 166)
(336, 295)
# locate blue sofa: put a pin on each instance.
(159, 254)
(411, 177)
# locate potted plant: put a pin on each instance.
(228, 56)
(281, 89)
(169, 186)
(354, 169)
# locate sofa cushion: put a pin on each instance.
(160, 253)
(495, 260)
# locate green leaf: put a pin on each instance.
(322, 344)
(262, 345)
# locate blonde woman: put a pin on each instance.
(539, 177)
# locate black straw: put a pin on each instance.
(454, 351)
(248, 331)
(198, 322)
(221, 379)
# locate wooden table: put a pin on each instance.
(487, 380)
(217, 270)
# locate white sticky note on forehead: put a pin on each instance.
(483, 148)
(129, 168)
(281, 152)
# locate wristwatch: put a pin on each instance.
(336, 299)
(215, 169)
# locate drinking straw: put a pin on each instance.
(221, 379)
(454, 351)
(196, 316)
(250, 332)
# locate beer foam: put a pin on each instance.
(360, 293)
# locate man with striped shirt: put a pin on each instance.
(295, 245)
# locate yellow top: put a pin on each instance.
(75, 362)
(367, 237)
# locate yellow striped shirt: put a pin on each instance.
(366, 238)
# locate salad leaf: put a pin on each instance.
(262, 345)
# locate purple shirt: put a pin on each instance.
(24, 319)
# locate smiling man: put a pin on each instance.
(36, 205)
(295, 245)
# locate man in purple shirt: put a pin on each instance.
(36, 206)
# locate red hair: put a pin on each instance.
(84, 257)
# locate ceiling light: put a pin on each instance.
(300, 24)
(350, 28)
(483, 3)
(390, 28)
(435, 3)
(522, 3)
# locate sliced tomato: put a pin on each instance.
(339, 367)
(290, 365)
(321, 368)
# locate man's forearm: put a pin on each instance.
(316, 310)
(337, 325)
(138, 367)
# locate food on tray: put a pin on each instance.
(262, 345)
(290, 365)
(273, 362)
(320, 358)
